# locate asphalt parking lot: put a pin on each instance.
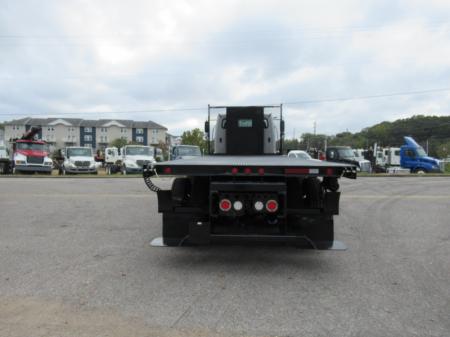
(75, 260)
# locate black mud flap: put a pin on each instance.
(164, 201)
(200, 232)
(331, 203)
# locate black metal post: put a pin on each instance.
(209, 130)
(281, 130)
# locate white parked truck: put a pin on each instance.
(134, 157)
(5, 162)
(79, 160)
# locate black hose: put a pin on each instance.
(147, 173)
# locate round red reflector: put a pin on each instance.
(225, 205)
(261, 171)
(234, 170)
(272, 206)
(247, 170)
(168, 170)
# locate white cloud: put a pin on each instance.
(87, 56)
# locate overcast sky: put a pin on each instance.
(132, 59)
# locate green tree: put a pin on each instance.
(119, 143)
(194, 137)
(291, 144)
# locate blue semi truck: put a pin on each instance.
(414, 158)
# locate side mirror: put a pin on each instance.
(206, 127)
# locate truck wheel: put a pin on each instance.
(175, 228)
(420, 171)
(313, 191)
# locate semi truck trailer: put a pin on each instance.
(244, 190)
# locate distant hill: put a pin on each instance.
(434, 129)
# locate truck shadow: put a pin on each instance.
(266, 259)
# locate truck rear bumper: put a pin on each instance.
(298, 241)
(134, 170)
(81, 170)
(30, 168)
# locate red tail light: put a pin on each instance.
(247, 170)
(225, 205)
(234, 170)
(261, 171)
(168, 170)
(271, 206)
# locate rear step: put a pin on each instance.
(299, 241)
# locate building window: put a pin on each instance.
(89, 130)
(139, 131)
(87, 138)
(154, 131)
(140, 139)
(87, 145)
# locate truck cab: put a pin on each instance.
(134, 157)
(414, 158)
(185, 152)
(238, 125)
(31, 156)
(79, 160)
(345, 154)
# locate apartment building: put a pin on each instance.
(98, 134)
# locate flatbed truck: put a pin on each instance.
(245, 190)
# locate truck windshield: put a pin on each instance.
(189, 151)
(139, 151)
(421, 152)
(31, 146)
(346, 153)
(79, 152)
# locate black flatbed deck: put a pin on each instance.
(266, 165)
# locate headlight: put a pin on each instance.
(20, 162)
(48, 163)
(70, 164)
(92, 164)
